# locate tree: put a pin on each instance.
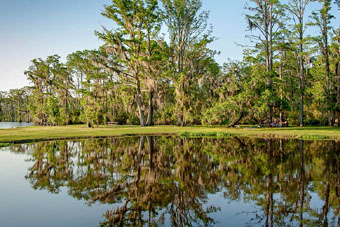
(135, 21)
(298, 8)
(14, 105)
(96, 88)
(186, 25)
(51, 92)
(38, 74)
(322, 19)
(338, 70)
(267, 20)
(154, 59)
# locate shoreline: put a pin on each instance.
(47, 133)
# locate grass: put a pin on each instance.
(37, 133)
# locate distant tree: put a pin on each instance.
(38, 74)
(52, 87)
(14, 105)
(93, 86)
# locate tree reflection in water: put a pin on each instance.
(167, 180)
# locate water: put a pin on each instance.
(170, 181)
(4, 125)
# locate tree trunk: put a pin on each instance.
(150, 114)
(151, 90)
(281, 89)
(27, 110)
(140, 105)
(301, 110)
(19, 110)
(1, 112)
(329, 100)
(338, 77)
(12, 113)
(301, 4)
(325, 52)
(180, 106)
(236, 121)
(301, 77)
(180, 120)
(181, 90)
(270, 65)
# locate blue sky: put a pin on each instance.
(37, 28)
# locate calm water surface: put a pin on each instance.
(14, 124)
(170, 181)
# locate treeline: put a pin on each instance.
(142, 76)
(14, 105)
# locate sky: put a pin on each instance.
(32, 29)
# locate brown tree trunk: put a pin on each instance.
(151, 90)
(181, 90)
(325, 52)
(268, 33)
(139, 104)
(301, 75)
(19, 110)
(1, 112)
(236, 121)
(180, 120)
(281, 89)
(180, 106)
(150, 114)
(27, 110)
(270, 67)
(338, 77)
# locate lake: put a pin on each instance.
(4, 125)
(171, 181)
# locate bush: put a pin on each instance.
(132, 120)
(293, 118)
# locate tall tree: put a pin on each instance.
(266, 17)
(322, 19)
(338, 69)
(133, 22)
(298, 9)
(153, 54)
(38, 74)
(186, 24)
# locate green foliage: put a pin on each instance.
(51, 101)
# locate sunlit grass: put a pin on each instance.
(37, 133)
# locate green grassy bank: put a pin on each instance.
(35, 133)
